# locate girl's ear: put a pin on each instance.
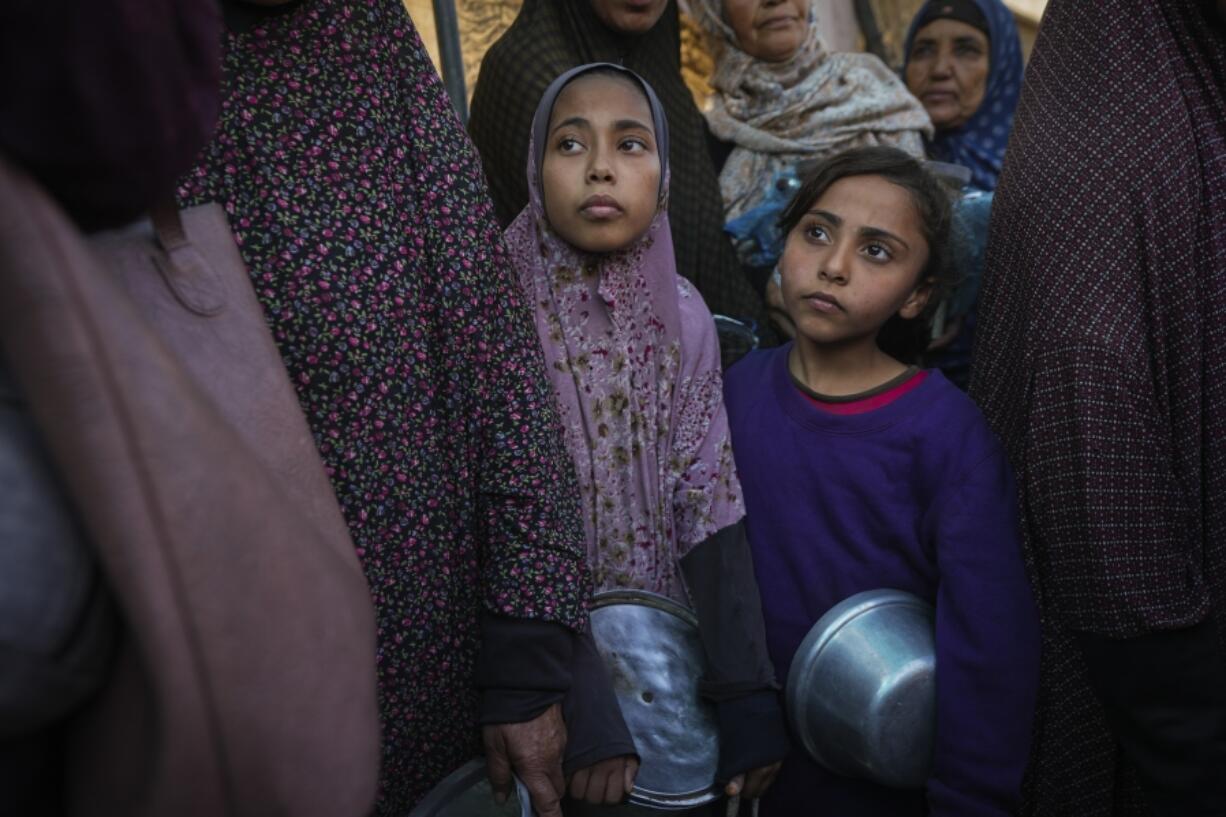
(917, 300)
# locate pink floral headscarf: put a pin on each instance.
(633, 356)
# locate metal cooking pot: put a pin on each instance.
(861, 693)
(655, 657)
(466, 792)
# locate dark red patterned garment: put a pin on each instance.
(362, 213)
(1101, 357)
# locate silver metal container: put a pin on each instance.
(861, 693)
(655, 657)
(466, 792)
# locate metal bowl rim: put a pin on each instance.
(673, 802)
(826, 628)
(643, 598)
(460, 780)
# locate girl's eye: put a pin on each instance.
(878, 252)
(633, 145)
(816, 232)
(568, 145)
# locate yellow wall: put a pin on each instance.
(422, 12)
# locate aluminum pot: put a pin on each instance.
(466, 792)
(655, 658)
(861, 693)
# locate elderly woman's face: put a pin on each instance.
(628, 16)
(770, 30)
(948, 71)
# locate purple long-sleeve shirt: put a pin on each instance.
(915, 495)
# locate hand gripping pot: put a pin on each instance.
(655, 658)
(861, 693)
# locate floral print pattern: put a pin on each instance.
(633, 355)
(361, 211)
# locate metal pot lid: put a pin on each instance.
(655, 658)
(466, 792)
(861, 691)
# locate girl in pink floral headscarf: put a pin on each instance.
(632, 352)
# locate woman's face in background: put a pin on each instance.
(628, 16)
(770, 30)
(948, 71)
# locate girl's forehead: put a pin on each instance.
(602, 96)
(871, 201)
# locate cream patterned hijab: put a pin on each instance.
(814, 105)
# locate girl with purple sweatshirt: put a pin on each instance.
(861, 471)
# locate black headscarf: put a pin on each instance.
(964, 11)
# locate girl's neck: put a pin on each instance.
(840, 370)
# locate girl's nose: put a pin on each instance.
(599, 169)
(835, 267)
(831, 274)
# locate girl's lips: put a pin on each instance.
(821, 302)
(601, 207)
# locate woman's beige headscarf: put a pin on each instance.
(814, 105)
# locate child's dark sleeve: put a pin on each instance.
(525, 666)
(740, 679)
(987, 645)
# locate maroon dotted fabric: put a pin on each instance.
(361, 210)
(1099, 357)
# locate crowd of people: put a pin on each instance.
(324, 417)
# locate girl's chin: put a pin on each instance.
(597, 239)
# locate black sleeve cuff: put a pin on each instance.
(752, 733)
(595, 728)
(724, 591)
(523, 668)
(514, 705)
